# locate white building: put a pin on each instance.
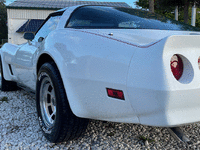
(28, 15)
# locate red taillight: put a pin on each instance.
(199, 62)
(176, 66)
(115, 94)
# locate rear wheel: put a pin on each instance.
(6, 85)
(56, 119)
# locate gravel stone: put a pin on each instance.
(20, 131)
(146, 143)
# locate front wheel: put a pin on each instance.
(56, 119)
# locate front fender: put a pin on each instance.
(8, 52)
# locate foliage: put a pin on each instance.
(167, 7)
(183, 4)
(143, 138)
(143, 3)
(3, 20)
(198, 18)
(179, 3)
(181, 16)
(3, 1)
(4, 99)
(159, 9)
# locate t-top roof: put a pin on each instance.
(58, 4)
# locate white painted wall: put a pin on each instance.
(17, 17)
(28, 13)
(13, 26)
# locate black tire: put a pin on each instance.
(56, 119)
(7, 85)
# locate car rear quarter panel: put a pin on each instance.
(88, 65)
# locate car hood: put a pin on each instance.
(139, 37)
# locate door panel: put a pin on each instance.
(25, 62)
(25, 58)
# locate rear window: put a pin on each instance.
(91, 17)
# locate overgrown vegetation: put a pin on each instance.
(143, 138)
(3, 21)
(167, 7)
(4, 99)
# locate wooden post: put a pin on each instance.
(193, 19)
(176, 13)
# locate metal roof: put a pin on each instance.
(32, 25)
(58, 4)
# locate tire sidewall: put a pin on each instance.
(1, 73)
(47, 70)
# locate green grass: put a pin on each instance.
(143, 138)
(4, 99)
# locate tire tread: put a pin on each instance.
(71, 126)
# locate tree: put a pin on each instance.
(143, 3)
(165, 7)
(158, 8)
(151, 6)
(182, 4)
(147, 4)
(3, 20)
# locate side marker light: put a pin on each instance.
(115, 93)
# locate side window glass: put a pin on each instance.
(49, 26)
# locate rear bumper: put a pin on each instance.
(166, 108)
(157, 98)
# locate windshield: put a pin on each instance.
(90, 17)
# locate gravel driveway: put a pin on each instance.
(20, 130)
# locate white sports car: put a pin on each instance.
(107, 63)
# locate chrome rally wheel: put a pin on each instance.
(48, 102)
(57, 121)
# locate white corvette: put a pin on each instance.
(106, 63)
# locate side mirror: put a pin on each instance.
(29, 36)
(40, 39)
